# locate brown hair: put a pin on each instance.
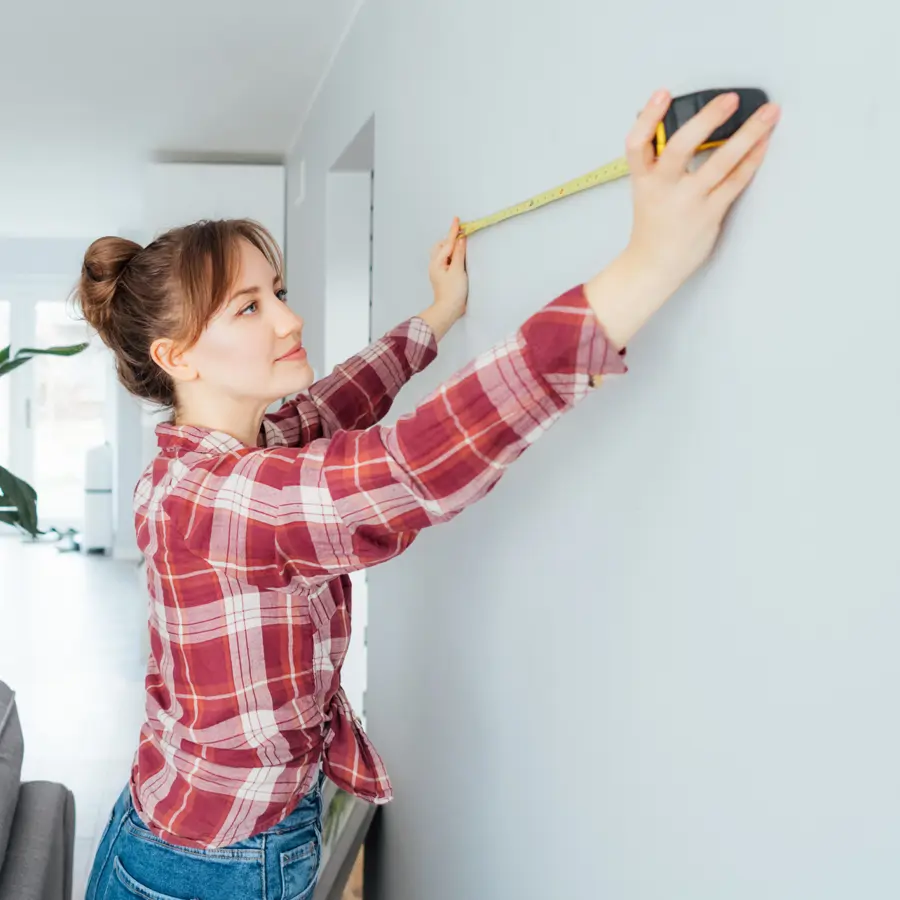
(133, 296)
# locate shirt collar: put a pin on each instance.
(177, 439)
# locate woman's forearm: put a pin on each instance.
(625, 295)
(439, 319)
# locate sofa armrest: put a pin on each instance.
(12, 749)
(39, 858)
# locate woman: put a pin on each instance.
(250, 523)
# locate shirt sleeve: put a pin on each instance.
(359, 392)
(285, 518)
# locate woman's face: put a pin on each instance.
(251, 348)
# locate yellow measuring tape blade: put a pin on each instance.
(618, 168)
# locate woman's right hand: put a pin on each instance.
(678, 213)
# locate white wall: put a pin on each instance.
(658, 661)
(175, 194)
(347, 265)
(347, 311)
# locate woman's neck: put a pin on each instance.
(240, 417)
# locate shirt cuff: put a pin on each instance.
(421, 343)
(569, 346)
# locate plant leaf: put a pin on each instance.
(22, 496)
(6, 368)
(4, 354)
(67, 350)
(22, 356)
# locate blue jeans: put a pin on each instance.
(279, 864)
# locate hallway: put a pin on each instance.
(70, 648)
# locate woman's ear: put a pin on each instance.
(172, 360)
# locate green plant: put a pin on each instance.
(18, 499)
(334, 815)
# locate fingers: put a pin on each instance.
(739, 178)
(682, 146)
(452, 236)
(639, 143)
(456, 247)
(440, 249)
(729, 156)
(453, 241)
(459, 253)
(443, 250)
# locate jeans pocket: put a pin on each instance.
(306, 814)
(300, 870)
(103, 851)
(126, 886)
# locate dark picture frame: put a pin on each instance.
(346, 821)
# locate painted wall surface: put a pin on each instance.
(659, 659)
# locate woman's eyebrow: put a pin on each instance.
(253, 289)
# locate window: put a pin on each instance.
(67, 412)
(5, 340)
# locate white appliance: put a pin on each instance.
(98, 500)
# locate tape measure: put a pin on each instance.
(610, 172)
(680, 110)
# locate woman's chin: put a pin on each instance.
(296, 382)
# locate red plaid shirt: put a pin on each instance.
(248, 552)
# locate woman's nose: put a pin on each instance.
(287, 320)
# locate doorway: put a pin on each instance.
(348, 327)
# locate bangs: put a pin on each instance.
(208, 266)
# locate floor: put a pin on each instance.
(354, 889)
(74, 656)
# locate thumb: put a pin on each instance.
(458, 260)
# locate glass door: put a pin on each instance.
(67, 412)
(52, 409)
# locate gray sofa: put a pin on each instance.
(37, 822)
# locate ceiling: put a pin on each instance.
(92, 90)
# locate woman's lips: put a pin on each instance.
(298, 353)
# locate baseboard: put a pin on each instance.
(127, 554)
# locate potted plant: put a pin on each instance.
(18, 499)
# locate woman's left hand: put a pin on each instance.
(447, 271)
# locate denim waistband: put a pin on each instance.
(125, 805)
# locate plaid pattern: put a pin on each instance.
(248, 552)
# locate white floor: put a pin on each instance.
(71, 638)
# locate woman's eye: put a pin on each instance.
(249, 306)
(282, 295)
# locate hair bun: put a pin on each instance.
(105, 261)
